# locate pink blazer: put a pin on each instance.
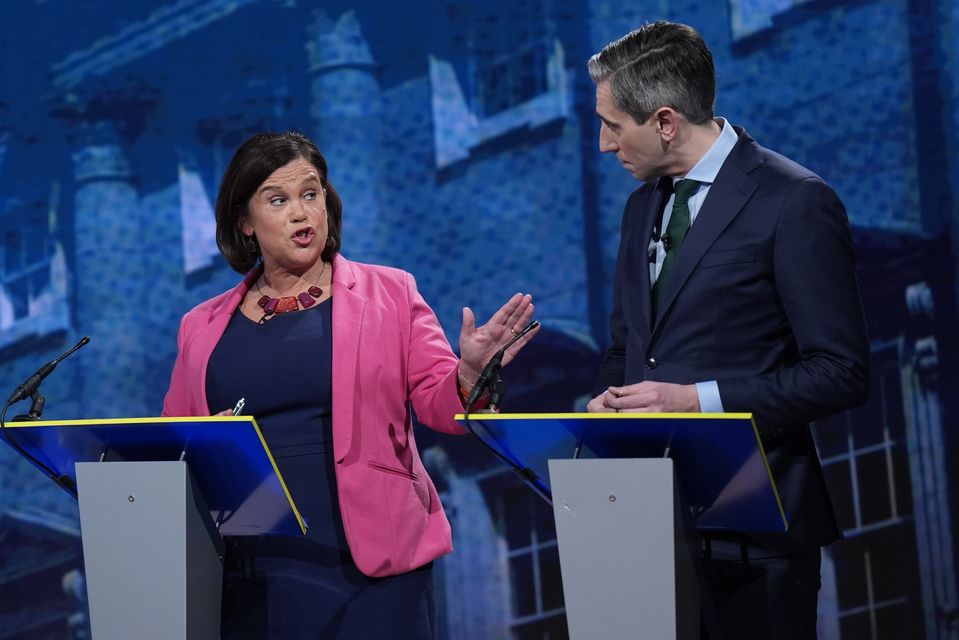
(389, 352)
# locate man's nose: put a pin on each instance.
(606, 141)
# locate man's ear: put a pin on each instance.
(666, 120)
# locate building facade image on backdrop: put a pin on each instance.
(462, 138)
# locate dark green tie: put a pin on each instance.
(675, 234)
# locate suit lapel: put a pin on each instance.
(204, 341)
(348, 311)
(638, 265)
(727, 196)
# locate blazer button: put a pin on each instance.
(651, 363)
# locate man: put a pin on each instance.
(734, 290)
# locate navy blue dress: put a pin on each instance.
(302, 587)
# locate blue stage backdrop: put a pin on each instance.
(462, 138)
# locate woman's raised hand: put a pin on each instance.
(479, 344)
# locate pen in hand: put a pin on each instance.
(238, 409)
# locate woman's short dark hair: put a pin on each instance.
(252, 164)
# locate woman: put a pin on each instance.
(329, 354)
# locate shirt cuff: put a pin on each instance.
(709, 400)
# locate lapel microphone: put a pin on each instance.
(665, 187)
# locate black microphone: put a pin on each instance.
(30, 385)
(491, 371)
(490, 378)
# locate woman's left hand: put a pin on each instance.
(479, 344)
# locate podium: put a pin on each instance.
(630, 492)
(156, 496)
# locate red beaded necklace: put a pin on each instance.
(286, 304)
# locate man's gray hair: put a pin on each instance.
(661, 64)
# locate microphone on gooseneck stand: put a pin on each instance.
(30, 385)
(29, 389)
(490, 373)
(496, 393)
(489, 379)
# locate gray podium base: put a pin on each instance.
(152, 557)
(624, 549)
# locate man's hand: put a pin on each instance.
(598, 404)
(647, 397)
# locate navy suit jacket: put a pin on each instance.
(763, 299)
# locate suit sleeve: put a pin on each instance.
(432, 367)
(815, 277)
(612, 372)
